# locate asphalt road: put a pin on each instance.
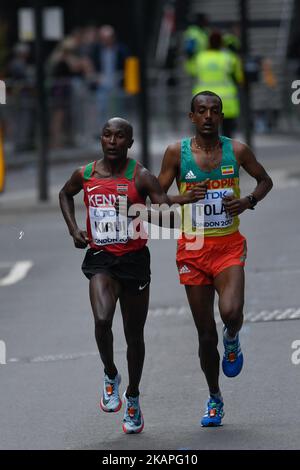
(51, 383)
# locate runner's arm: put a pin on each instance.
(148, 185)
(170, 166)
(248, 161)
(170, 169)
(66, 200)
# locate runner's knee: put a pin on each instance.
(103, 322)
(232, 313)
(103, 305)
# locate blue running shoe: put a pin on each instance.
(133, 421)
(233, 357)
(110, 401)
(213, 414)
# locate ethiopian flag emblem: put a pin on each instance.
(227, 170)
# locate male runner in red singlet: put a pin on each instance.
(117, 266)
(219, 265)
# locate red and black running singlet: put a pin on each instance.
(110, 231)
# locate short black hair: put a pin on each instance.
(205, 93)
(124, 124)
(215, 40)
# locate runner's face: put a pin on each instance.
(207, 115)
(115, 141)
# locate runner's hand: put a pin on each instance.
(235, 206)
(81, 239)
(198, 192)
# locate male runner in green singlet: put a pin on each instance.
(219, 265)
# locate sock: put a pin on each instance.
(217, 396)
(229, 338)
(111, 377)
(132, 395)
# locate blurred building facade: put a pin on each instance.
(273, 25)
(272, 64)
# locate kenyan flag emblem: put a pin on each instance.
(122, 188)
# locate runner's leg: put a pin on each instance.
(201, 300)
(134, 312)
(104, 292)
(230, 285)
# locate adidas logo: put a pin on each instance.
(190, 175)
(184, 269)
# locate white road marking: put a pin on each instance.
(263, 315)
(63, 357)
(19, 271)
(252, 317)
(52, 357)
(2, 353)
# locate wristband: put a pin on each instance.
(253, 201)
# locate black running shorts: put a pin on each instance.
(132, 269)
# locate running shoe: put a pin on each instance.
(110, 400)
(133, 421)
(233, 357)
(213, 414)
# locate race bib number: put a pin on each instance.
(108, 227)
(210, 212)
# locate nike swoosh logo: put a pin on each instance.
(97, 252)
(143, 287)
(94, 187)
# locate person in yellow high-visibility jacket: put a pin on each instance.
(195, 40)
(221, 72)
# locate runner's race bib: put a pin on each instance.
(210, 212)
(108, 227)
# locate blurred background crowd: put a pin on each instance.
(84, 84)
(191, 46)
